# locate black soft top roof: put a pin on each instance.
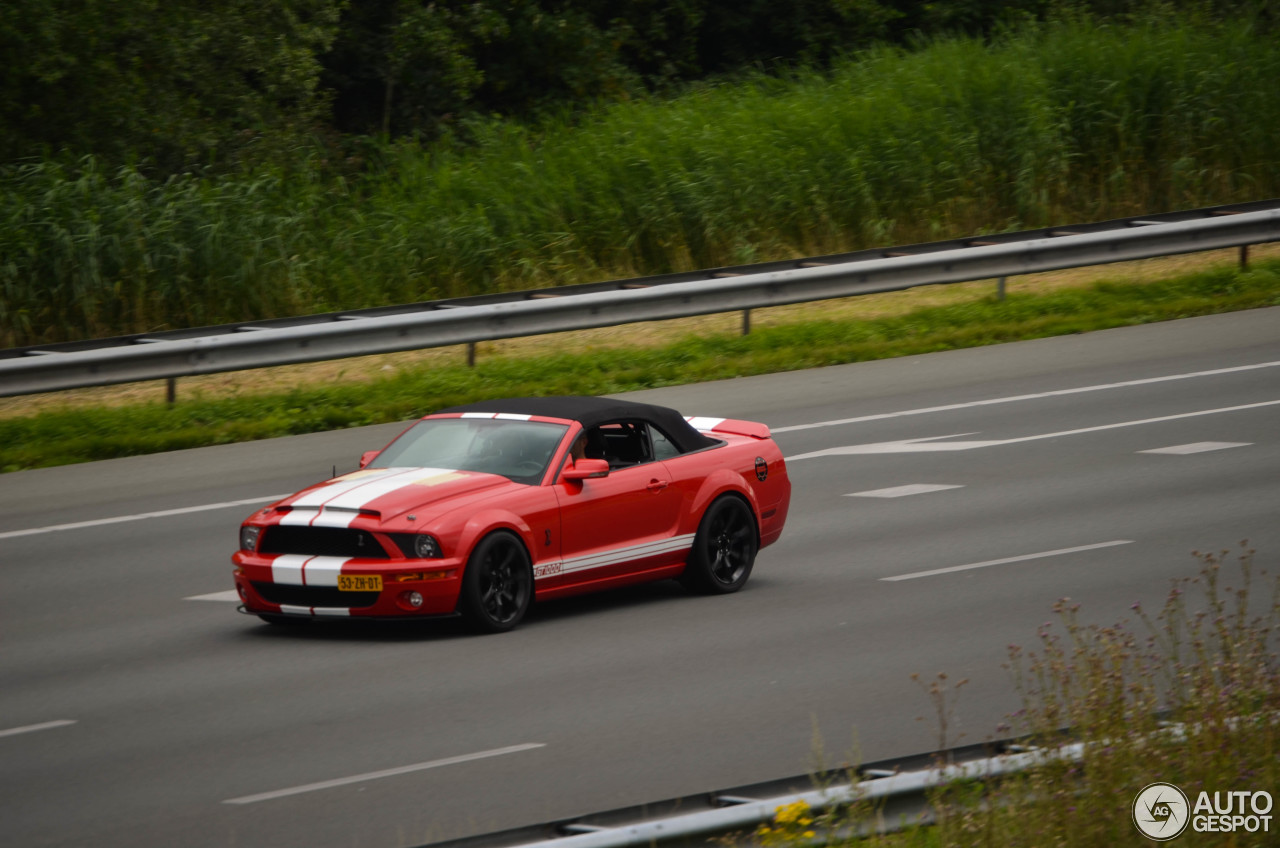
(594, 411)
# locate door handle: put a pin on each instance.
(657, 485)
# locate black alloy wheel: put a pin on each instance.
(724, 549)
(498, 583)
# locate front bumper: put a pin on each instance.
(303, 587)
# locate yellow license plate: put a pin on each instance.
(359, 582)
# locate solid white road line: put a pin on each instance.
(904, 491)
(377, 775)
(229, 595)
(1017, 398)
(932, 445)
(32, 728)
(119, 519)
(1197, 447)
(1007, 560)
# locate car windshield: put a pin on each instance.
(517, 450)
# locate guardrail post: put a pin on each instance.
(746, 321)
(171, 391)
(1000, 288)
(1244, 257)
(471, 354)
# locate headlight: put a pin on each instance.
(426, 547)
(249, 538)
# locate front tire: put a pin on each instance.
(498, 584)
(724, 550)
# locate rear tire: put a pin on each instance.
(724, 550)
(497, 586)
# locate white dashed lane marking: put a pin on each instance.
(118, 519)
(1197, 447)
(32, 728)
(1007, 560)
(904, 491)
(931, 445)
(229, 595)
(376, 775)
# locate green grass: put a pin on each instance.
(1055, 124)
(84, 434)
(1205, 661)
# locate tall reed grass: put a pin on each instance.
(1069, 121)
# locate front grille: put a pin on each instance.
(313, 596)
(320, 541)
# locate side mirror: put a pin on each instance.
(367, 457)
(585, 469)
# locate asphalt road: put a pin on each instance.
(131, 715)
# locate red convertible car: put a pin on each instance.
(483, 509)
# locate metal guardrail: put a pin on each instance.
(896, 790)
(291, 341)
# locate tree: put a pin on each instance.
(172, 83)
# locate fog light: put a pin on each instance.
(413, 599)
(244, 596)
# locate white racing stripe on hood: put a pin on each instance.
(373, 489)
(334, 518)
(338, 503)
(316, 518)
(317, 497)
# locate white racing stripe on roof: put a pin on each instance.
(499, 416)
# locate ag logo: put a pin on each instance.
(1161, 811)
(762, 469)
